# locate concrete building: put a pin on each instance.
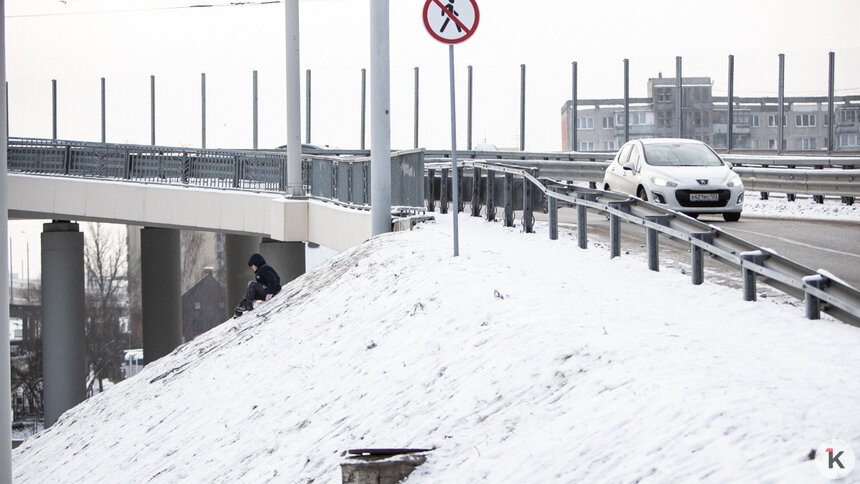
(203, 306)
(600, 122)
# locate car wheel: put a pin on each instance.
(732, 216)
(642, 194)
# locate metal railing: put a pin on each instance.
(344, 180)
(820, 291)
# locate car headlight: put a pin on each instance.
(662, 182)
(735, 181)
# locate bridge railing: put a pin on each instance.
(514, 188)
(341, 179)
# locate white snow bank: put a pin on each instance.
(522, 360)
(776, 206)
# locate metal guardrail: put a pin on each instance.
(342, 180)
(833, 182)
(820, 291)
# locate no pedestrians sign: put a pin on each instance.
(451, 21)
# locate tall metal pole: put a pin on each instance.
(293, 183)
(5, 366)
(626, 100)
(455, 179)
(679, 99)
(256, 111)
(380, 118)
(522, 107)
(731, 102)
(572, 127)
(781, 107)
(363, 104)
(415, 123)
(308, 107)
(831, 77)
(53, 109)
(104, 124)
(203, 109)
(469, 110)
(152, 106)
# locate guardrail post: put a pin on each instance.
(128, 167)
(476, 192)
(765, 195)
(652, 241)
(443, 193)
(697, 262)
(811, 303)
(509, 200)
(186, 168)
(349, 197)
(334, 169)
(848, 200)
(615, 228)
(67, 160)
(749, 276)
(431, 197)
(818, 198)
(491, 195)
(236, 165)
(528, 212)
(791, 196)
(553, 215)
(582, 219)
(460, 204)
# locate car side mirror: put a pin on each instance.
(731, 166)
(630, 166)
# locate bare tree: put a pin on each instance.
(105, 259)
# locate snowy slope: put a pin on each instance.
(523, 360)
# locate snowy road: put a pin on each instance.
(832, 245)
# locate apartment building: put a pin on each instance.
(806, 121)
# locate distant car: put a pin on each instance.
(684, 175)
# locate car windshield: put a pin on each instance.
(680, 154)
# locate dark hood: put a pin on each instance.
(256, 260)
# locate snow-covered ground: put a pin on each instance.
(776, 206)
(522, 360)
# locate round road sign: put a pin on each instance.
(451, 21)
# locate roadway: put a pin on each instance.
(830, 245)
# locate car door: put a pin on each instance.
(614, 176)
(628, 179)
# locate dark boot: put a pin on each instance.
(244, 306)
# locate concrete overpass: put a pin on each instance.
(270, 223)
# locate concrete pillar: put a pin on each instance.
(63, 336)
(288, 258)
(237, 251)
(161, 288)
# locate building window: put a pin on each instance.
(664, 94)
(847, 140)
(742, 118)
(806, 144)
(638, 118)
(664, 118)
(804, 121)
(609, 145)
(771, 120)
(826, 120)
(586, 145)
(608, 122)
(585, 123)
(847, 116)
(197, 305)
(771, 144)
(754, 121)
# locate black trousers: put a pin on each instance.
(255, 291)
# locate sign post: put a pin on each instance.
(452, 23)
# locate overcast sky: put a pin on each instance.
(50, 39)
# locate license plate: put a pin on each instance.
(704, 197)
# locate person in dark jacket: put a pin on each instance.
(267, 283)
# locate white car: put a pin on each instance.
(684, 175)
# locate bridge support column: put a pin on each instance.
(63, 337)
(288, 258)
(237, 251)
(161, 288)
